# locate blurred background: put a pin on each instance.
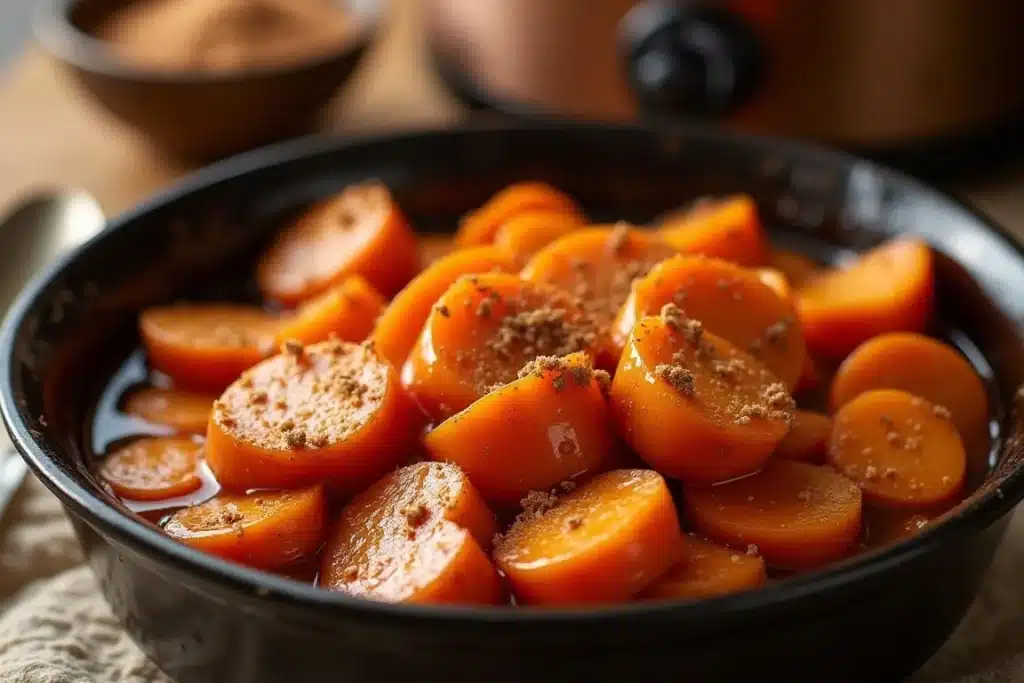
(121, 97)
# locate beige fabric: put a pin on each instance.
(56, 628)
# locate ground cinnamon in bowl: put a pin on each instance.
(224, 35)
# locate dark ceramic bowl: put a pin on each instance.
(875, 617)
(198, 115)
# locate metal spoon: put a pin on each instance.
(35, 232)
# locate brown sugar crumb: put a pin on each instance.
(752, 549)
(677, 377)
(558, 382)
(870, 472)
(618, 237)
(483, 310)
(573, 523)
(777, 397)
(258, 397)
(415, 514)
(319, 439)
(228, 421)
(537, 503)
(894, 439)
(567, 486)
(281, 404)
(228, 515)
(296, 438)
(293, 348)
(351, 573)
(912, 443)
(544, 331)
(604, 381)
(673, 316)
(286, 425)
(541, 364)
(777, 332)
(581, 374)
(942, 412)
(730, 369)
(443, 310)
(245, 381)
(889, 473)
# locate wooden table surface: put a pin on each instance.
(52, 134)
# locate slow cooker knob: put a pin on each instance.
(689, 59)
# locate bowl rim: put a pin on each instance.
(58, 35)
(989, 505)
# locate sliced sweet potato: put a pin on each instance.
(153, 468)
(707, 570)
(604, 542)
(927, 368)
(730, 301)
(692, 405)
(360, 231)
(182, 411)
(397, 329)
(480, 226)
(414, 536)
(346, 311)
(807, 438)
(795, 515)
(205, 347)
(482, 331)
(332, 412)
(901, 450)
(728, 229)
(797, 268)
(549, 426)
(265, 530)
(525, 234)
(888, 289)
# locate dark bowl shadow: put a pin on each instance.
(877, 616)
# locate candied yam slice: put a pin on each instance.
(604, 542)
(332, 412)
(549, 426)
(417, 535)
(398, 327)
(728, 229)
(598, 265)
(153, 468)
(730, 301)
(347, 311)
(901, 450)
(888, 289)
(182, 411)
(482, 331)
(205, 347)
(480, 226)
(360, 231)
(795, 515)
(807, 438)
(266, 530)
(525, 234)
(707, 570)
(692, 405)
(923, 367)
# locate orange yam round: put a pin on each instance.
(807, 438)
(347, 311)
(332, 412)
(598, 265)
(398, 327)
(480, 226)
(182, 411)
(604, 542)
(888, 289)
(796, 267)
(414, 536)
(728, 229)
(730, 301)
(923, 367)
(795, 515)
(360, 231)
(900, 449)
(708, 570)
(551, 425)
(267, 530)
(153, 468)
(525, 234)
(482, 331)
(205, 347)
(693, 406)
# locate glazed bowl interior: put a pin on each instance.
(76, 322)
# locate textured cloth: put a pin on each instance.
(56, 628)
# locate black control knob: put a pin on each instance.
(689, 59)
